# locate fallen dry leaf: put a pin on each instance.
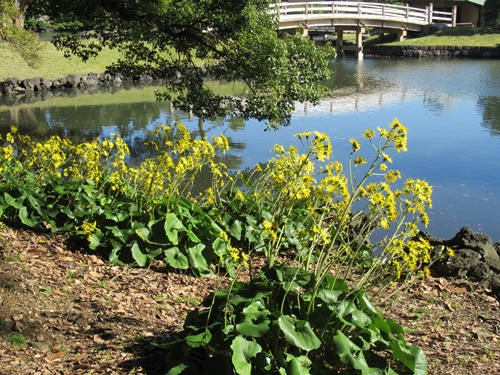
(54, 356)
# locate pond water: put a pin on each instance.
(451, 109)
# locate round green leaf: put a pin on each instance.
(138, 256)
(298, 333)
(176, 259)
(243, 351)
(255, 322)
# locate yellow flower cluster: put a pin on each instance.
(178, 158)
(409, 256)
(88, 228)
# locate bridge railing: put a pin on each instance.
(359, 10)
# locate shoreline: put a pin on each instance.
(17, 87)
(432, 51)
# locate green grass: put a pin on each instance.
(16, 339)
(53, 64)
(456, 36)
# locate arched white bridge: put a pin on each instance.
(354, 15)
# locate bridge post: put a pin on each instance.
(402, 34)
(340, 42)
(359, 41)
(454, 17)
(430, 9)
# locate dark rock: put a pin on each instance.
(475, 258)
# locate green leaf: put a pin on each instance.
(172, 227)
(298, 333)
(177, 369)
(220, 246)
(60, 189)
(330, 296)
(365, 303)
(114, 256)
(381, 324)
(36, 204)
(411, 356)
(255, 322)
(201, 339)
(119, 234)
(420, 361)
(236, 230)
(396, 328)
(95, 240)
(360, 319)
(17, 203)
(351, 354)
(143, 233)
(297, 366)
(176, 259)
(138, 256)
(243, 351)
(24, 216)
(345, 308)
(335, 283)
(196, 258)
(192, 236)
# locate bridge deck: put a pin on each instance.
(352, 13)
(357, 15)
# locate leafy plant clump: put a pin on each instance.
(308, 314)
(277, 324)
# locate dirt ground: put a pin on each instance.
(64, 311)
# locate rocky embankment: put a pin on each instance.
(432, 51)
(476, 258)
(15, 89)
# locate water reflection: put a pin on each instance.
(451, 107)
(489, 106)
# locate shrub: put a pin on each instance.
(308, 312)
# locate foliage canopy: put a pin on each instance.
(235, 40)
(14, 37)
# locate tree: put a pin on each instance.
(187, 42)
(13, 35)
(492, 12)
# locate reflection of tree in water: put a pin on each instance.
(80, 123)
(438, 102)
(139, 149)
(490, 107)
(351, 76)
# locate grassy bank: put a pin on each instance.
(54, 65)
(452, 36)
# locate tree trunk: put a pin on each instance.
(22, 5)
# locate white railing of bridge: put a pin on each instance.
(359, 10)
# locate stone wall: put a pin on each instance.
(432, 51)
(14, 86)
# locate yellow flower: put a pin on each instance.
(359, 160)
(223, 235)
(368, 133)
(305, 135)
(392, 176)
(88, 229)
(384, 223)
(239, 195)
(244, 259)
(355, 145)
